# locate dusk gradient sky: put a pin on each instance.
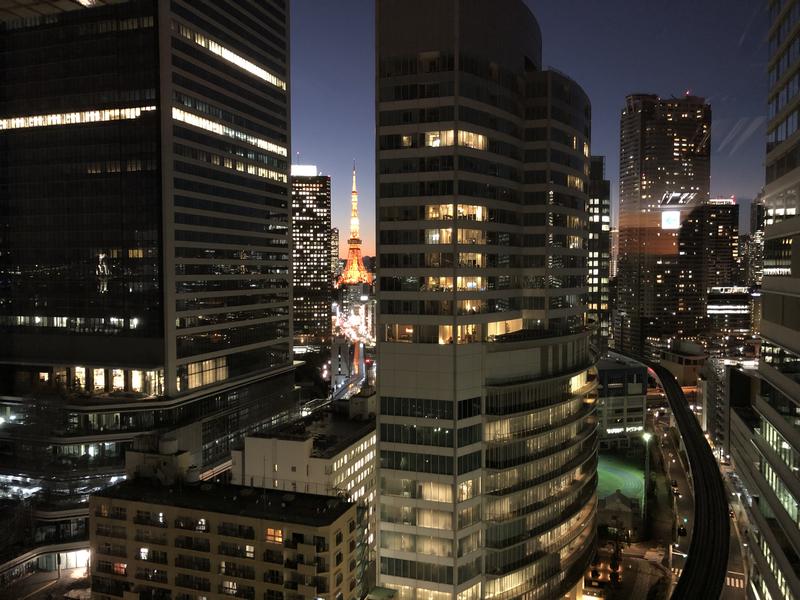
(715, 48)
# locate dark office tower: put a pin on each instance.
(765, 441)
(664, 171)
(599, 309)
(144, 255)
(708, 256)
(721, 266)
(311, 254)
(487, 439)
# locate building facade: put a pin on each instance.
(213, 540)
(754, 259)
(487, 441)
(766, 452)
(334, 254)
(599, 307)
(621, 401)
(326, 452)
(708, 257)
(729, 322)
(311, 264)
(146, 274)
(323, 453)
(664, 172)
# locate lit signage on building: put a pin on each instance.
(671, 219)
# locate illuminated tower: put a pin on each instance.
(354, 271)
(665, 155)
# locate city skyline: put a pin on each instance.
(560, 361)
(333, 68)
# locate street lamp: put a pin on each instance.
(646, 436)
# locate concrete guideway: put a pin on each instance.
(705, 571)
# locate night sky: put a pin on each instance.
(715, 48)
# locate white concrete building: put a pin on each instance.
(324, 453)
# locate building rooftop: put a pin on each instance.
(618, 361)
(304, 509)
(332, 432)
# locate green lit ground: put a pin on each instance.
(617, 472)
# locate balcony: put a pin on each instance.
(194, 563)
(188, 543)
(273, 577)
(150, 521)
(112, 532)
(194, 583)
(241, 572)
(155, 575)
(119, 514)
(246, 592)
(306, 549)
(247, 533)
(154, 557)
(308, 591)
(307, 570)
(109, 550)
(150, 538)
(273, 557)
(109, 569)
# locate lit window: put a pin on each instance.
(233, 58)
(220, 129)
(274, 535)
(436, 139)
(472, 140)
(74, 118)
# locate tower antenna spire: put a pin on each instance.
(354, 271)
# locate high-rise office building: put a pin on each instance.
(599, 251)
(145, 258)
(729, 322)
(311, 259)
(614, 252)
(754, 249)
(664, 171)
(764, 438)
(708, 257)
(487, 437)
(334, 253)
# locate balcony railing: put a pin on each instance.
(246, 592)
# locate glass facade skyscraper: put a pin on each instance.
(765, 442)
(311, 253)
(599, 307)
(665, 150)
(144, 255)
(487, 430)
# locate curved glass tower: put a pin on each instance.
(487, 430)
